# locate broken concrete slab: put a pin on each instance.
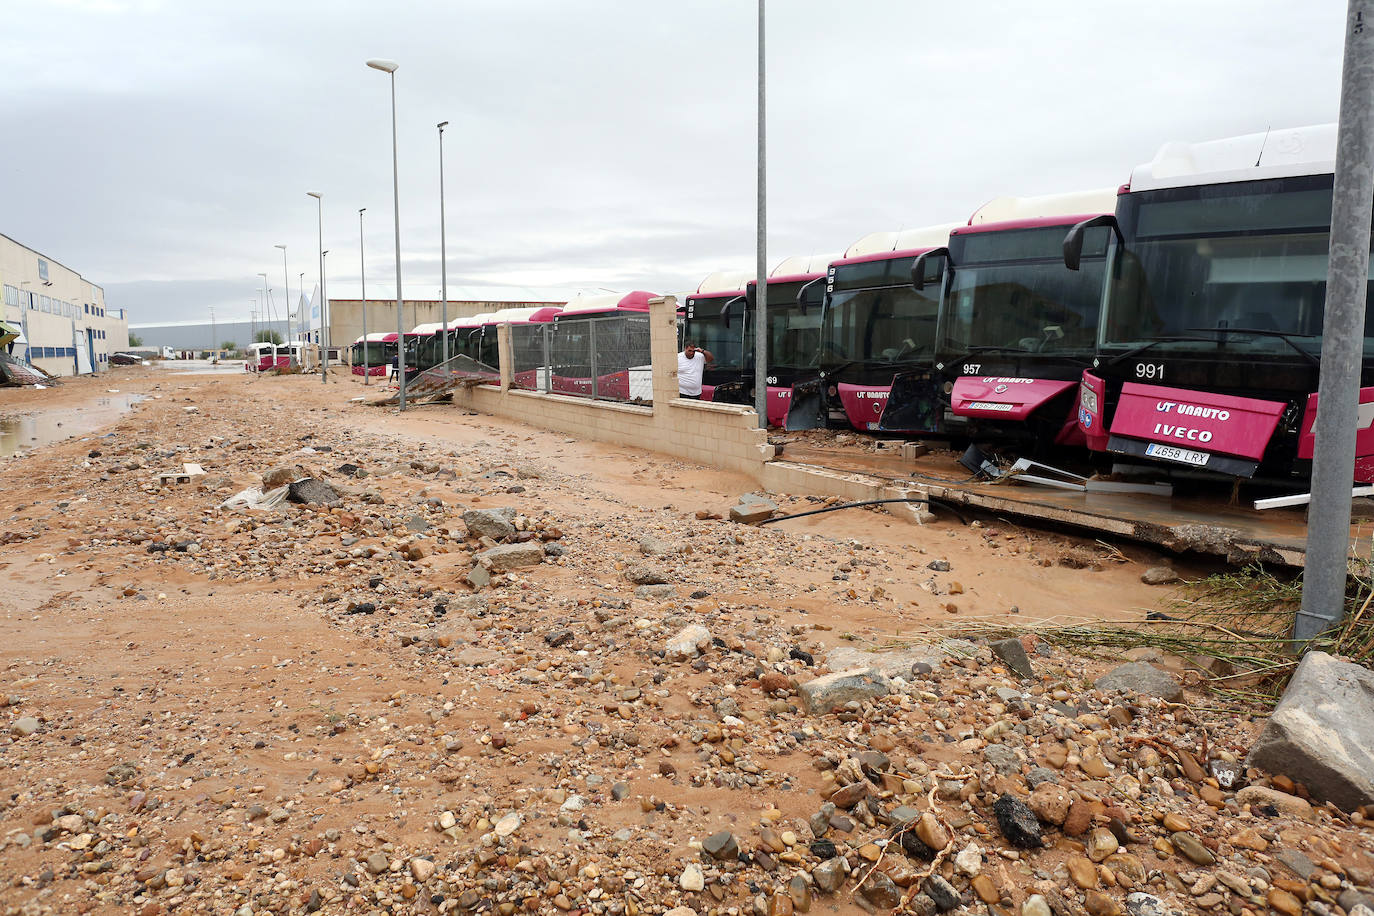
(753, 512)
(832, 691)
(505, 557)
(1013, 653)
(1322, 732)
(892, 664)
(311, 492)
(1141, 678)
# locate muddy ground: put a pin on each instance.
(311, 709)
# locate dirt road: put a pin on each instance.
(310, 708)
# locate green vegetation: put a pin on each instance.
(135, 340)
(268, 336)
(229, 345)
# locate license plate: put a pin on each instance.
(1182, 455)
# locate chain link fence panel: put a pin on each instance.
(604, 358)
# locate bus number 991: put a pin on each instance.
(1151, 371)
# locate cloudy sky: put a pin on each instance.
(162, 147)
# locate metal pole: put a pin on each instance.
(324, 323)
(443, 246)
(1333, 462)
(286, 284)
(319, 210)
(761, 243)
(362, 272)
(396, 204)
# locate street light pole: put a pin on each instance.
(324, 354)
(1338, 386)
(286, 284)
(362, 273)
(388, 66)
(443, 247)
(761, 265)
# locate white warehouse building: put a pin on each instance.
(66, 327)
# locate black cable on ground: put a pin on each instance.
(920, 500)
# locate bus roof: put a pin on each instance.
(374, 337)
(799, 265)
(724, 281)
(635, 301)
(425, 330)
(1282, 153)
(1074, 203)
(902, 240)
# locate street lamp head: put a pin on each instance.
(362, 209)
(442, 125)
(282, 247)
(314, 194)
(388, 66)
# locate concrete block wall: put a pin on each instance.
(724, 436)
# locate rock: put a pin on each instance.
(891, 664)
(1192, 849)
(478, 577)
(23, 727)
(691, 879)
(929, 831)
(651, 546)
(752, 512)
(942, 892)
(1017, 822)
(1013, 653)
(556, 638)
(644, 574)
(1035, 905)
(1082, 872)
(505, 557)
(687, 643)
(879, 890)
(377, 863)
(1141, 678)
(1050, 803)
(850, 795)
(721, 846)
(681, 911)
(1281, 901)
(1322, 732)
(496, 524)
(985, 888)
(1079, 818)
(508, 825)
(1102, 843)
(969, 861)
(1139, 904)
(939, 566)
(1291, 805)
(829, 875)
(1296, 862)
(832, 691)
(1099, 904)
(655, 592)
(312, 492)
(421, 869)
(280, 476)
(1002, 758)
(1159, 575)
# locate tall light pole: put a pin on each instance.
(324, 322)
(1338, 387)
(267, 306)
(362, 274)
(286, 299)
(443, 247)
(389, 66)
(319, 211)
(761, 309)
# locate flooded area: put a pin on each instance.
(28, 431)
(199, 366)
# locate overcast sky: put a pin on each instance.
(162, 147)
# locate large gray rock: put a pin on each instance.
(1013, 654)
(832, 691)
(1141, 678)
(504, 557)
(312, 492)
(1322, 732)
(492, 523)
(752, 512)
(891, 664)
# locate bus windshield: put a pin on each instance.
(1010, 291)
(708, 330)
(794, 328)
(868, 323)
(1239, 267)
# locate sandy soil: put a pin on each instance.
(238, 708)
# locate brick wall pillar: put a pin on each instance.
(663, 347)
(504, 355)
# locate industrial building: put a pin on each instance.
(65, 326)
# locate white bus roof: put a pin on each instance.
(432, 327)
(592, 302)
(519, 314)
(1282, 153)
(1074, 203)
(724, 281)
(374, 337)
(902, 240)
(802, 264)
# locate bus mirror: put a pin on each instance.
(725, 312)
(805, 295)
(1073, 242)
(918, 267)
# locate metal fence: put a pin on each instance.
(604, 358)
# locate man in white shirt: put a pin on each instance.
(691, 363)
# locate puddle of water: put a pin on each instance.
(20, 434)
